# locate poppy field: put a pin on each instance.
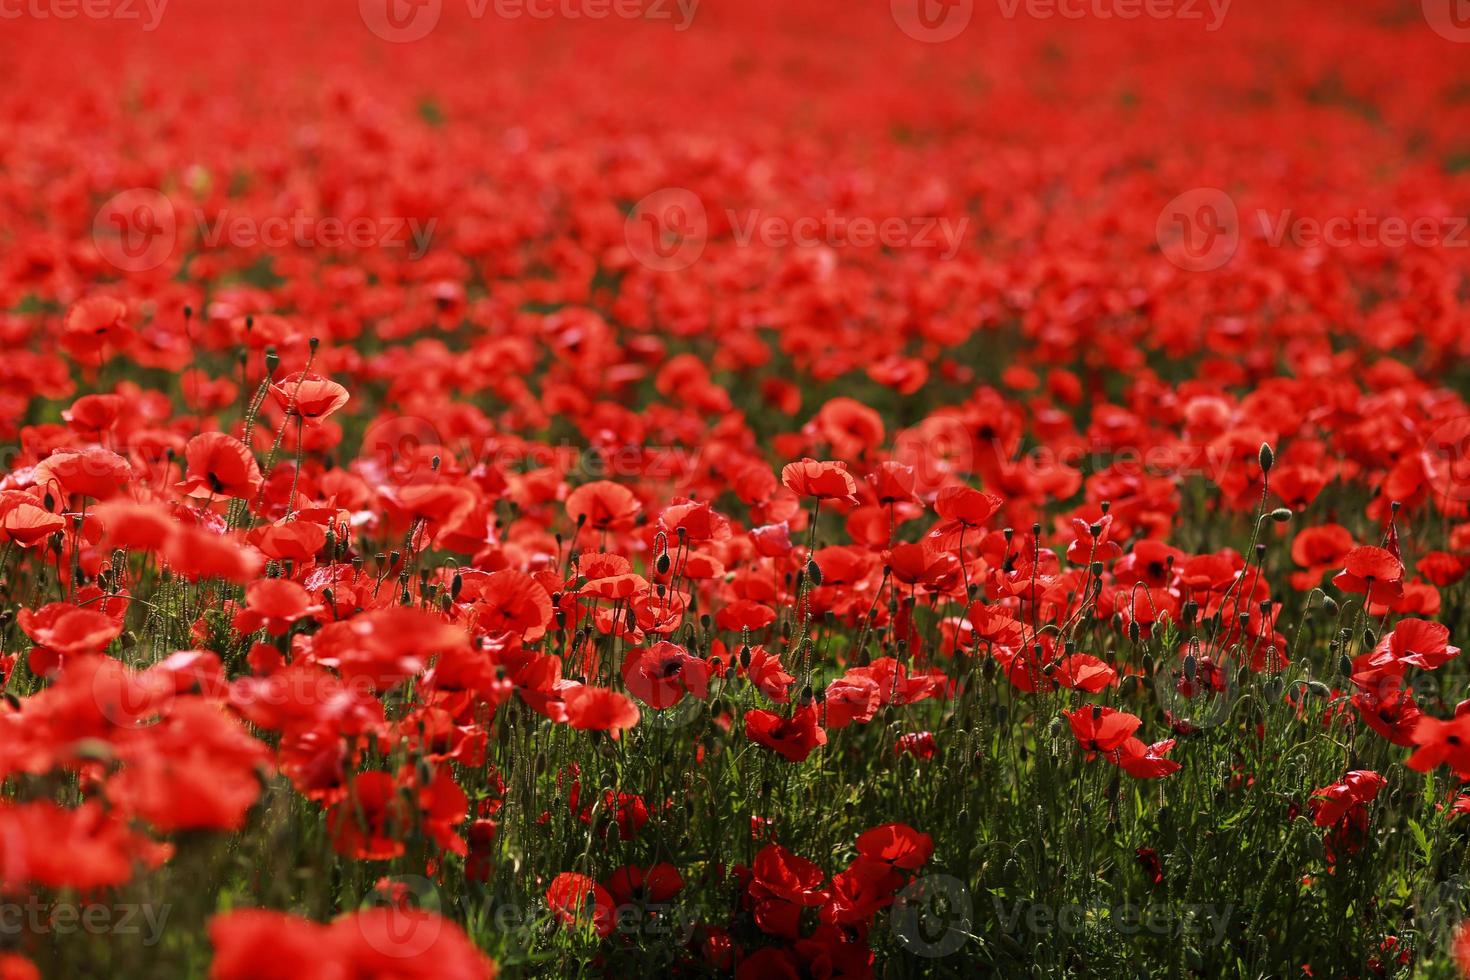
(696, 488)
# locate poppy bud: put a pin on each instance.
(1345, 665)
(662, 565)
(814, 571)
(1191, 666)
(1134, 631)
(1370, 639)
(271, 357)
(1281, 515)
(1097, 568)
(1267, 457)
(1329, 604)
(329, 596)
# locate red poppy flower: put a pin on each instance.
(1440, 742)
(657, 884)
(92, 323)
(220, 466)
(68, 630)
(1372, 572)
(297, 540)
(781, 885)
(92, 472)
(513, 602)
(273, 604)
(662, 674)
(14, 967)
(579, 901)
(24, 521)
(597, 708)
(1146, 761)
(822, 480)
(1331, 804)
(898, 844)
(308, 396)
(602, 505)
(793, 738)
(1101, 729)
